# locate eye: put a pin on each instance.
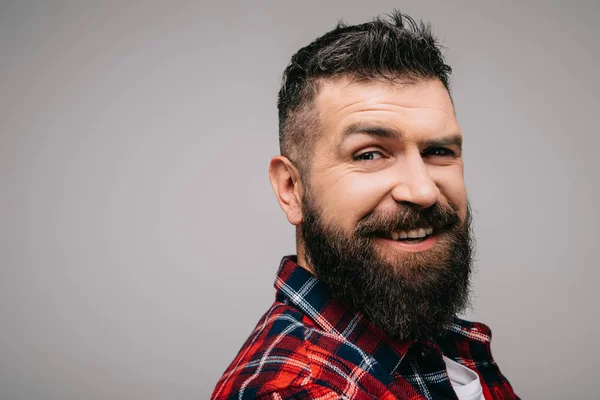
(369, 156)
(439, 152)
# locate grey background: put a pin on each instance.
(139, 236)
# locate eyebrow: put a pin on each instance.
(383, 132)
(455, 140)
(372, 130)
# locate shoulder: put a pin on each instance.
(273, 357)
(285, 355)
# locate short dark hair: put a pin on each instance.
(391, 48)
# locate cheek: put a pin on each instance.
(349, 198)
(451, 185)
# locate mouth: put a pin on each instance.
(411, 236)
(413, 240)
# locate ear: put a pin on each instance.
(285, 179)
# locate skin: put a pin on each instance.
(382, 145)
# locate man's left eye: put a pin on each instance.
(438, 151)
(369, 155)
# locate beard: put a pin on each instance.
(408, 295)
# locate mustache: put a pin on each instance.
(440, 216)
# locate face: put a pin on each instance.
(385, 214)
(383, 146)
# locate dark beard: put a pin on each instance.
(415, 295)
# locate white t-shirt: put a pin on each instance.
(465, 381)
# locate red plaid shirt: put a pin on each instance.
(309, 345)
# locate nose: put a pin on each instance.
(415, 187)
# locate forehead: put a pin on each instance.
(422, 108)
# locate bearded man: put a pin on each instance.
(371, 176)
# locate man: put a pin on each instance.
(371, 176)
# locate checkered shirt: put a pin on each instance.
(311, 346)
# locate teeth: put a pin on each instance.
(413, 234)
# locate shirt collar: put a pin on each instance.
(302, 289)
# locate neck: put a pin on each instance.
(300, 251)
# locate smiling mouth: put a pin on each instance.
(411, 236)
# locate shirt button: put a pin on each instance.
(425, 353)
